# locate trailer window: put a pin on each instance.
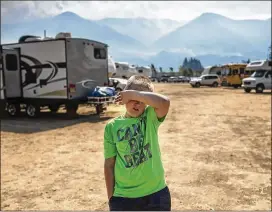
(11, 62)
(100, 53)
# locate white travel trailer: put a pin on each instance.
(38, 73)
(144, 71)
(124, 70)
(212, 70)
(111, 66)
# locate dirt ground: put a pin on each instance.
(215, 143)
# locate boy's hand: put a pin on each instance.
(123, 97)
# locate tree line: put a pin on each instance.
(191, 67)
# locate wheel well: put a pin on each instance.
(260, 84)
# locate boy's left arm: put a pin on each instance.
(159, 102)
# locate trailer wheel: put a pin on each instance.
(53, 108)
(99, 109)
(13, 109)
(32, 110)
(71, 110)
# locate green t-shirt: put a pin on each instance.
(134, 141)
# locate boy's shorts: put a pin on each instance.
(159, 201)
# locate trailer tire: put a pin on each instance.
(32, 110)
(13, 109)
(54, 108)
(71, 110)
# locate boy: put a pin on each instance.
(133, 168)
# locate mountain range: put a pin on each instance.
(211, 38)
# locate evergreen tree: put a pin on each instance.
(160, 69)
(185, 63)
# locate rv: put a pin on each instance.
(38, 73)
(212, 70)
(124, 70)
(144, 71)
(260, 80)
(218, 70)
(111, 66)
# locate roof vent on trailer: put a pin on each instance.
(27, 38)
(63, 35)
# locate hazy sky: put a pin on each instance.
(14, 11)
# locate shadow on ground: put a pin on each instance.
(48, 121)
(252, 92)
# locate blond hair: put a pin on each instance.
(139, 83)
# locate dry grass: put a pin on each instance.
(215, 143)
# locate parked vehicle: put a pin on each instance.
(51, 72)
(205, 80)
(144, 71)
(174, 79)
(184, 79)
(117, 83)
(234, 74)
(260, 80)
(124, 70)
(164, 78)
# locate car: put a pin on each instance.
(184, 79)
(174, 79)
(164, 78)
(259, 81)
(205, 80)
(153, 79)
(118, 83)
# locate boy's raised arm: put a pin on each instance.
(159, 102)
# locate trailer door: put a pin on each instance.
(12, 73)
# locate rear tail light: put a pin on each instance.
(72, 87)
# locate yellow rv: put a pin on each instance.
(234, 73)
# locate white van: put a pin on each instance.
(260, 80)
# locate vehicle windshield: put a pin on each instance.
(258, 73)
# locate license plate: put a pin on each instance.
(72, 90)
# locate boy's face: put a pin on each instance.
(135, 108)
